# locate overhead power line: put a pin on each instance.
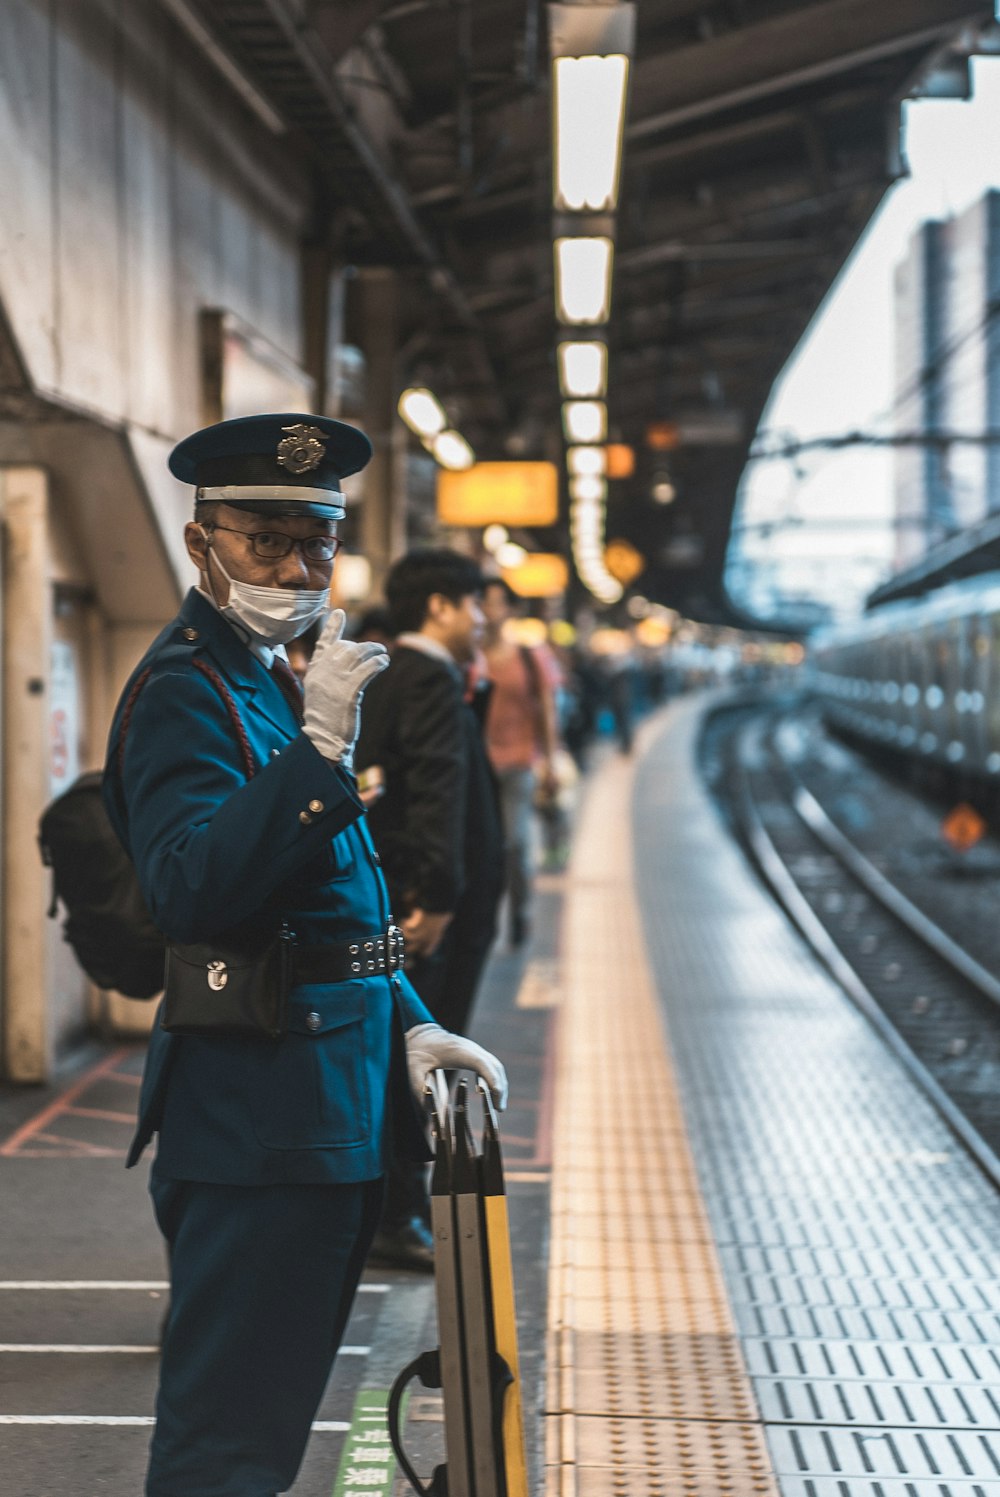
(767, 447)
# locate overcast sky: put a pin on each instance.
(840, 379)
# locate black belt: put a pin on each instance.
(364, 957)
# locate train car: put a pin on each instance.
(921, 679)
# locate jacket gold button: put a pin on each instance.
(305, 818)
(313, 1021)
(190, 634)
(316, 805)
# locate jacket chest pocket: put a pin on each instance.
(313, 1088)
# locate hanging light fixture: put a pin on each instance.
(452, 450)
(583, 369)
(583, 278)
(585, 420)
(588, 488)
(589, 116)
(422, 412)
(586, 461)
(590, 45)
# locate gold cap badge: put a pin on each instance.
(303, 449)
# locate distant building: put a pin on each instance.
(947, 295)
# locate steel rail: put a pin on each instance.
(775, 873)
(882, 889)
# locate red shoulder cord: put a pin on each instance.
(225, 694)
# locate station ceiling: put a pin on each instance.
(761, 136)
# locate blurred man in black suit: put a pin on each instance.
(437, 826)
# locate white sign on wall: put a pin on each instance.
(64, 719)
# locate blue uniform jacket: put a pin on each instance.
(216, 852)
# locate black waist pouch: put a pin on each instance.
(216, 988)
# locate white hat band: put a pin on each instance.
(262, 493)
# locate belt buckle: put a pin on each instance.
(395, 943)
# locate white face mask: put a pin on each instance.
(274, 614)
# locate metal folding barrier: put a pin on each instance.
(475, 1363)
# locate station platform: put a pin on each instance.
(749, 1256)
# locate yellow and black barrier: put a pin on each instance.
(475, 1364)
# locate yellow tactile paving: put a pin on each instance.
(647, 1392)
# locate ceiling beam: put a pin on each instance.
(288, 61)
(805, 45)
(630, 261)
(341, 23)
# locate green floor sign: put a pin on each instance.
(367, 1465)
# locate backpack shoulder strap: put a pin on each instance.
(133, 697)
(211, 674)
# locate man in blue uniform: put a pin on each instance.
(232, 790)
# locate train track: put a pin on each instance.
(936, 1007)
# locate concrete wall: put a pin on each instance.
(136, 189)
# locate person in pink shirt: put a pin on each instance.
(521, 739)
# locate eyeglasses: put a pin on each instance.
(272, 545)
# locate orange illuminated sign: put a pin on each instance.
(963, 827)
(543, 574)
(620, 460)
(499, 494)
(623, 561)
(663, 436)
(652, 633)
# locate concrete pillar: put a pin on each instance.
(316, 277)
(383, 522)
(26, 656)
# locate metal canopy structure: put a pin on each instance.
(761, 136)
(970, 554)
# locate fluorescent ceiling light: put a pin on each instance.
(588, 488)
(583, 278)
(510, 555)
(583, 511)
(589, 115)
(583, 369)
(589, 521)
(422, 412)
(585, 420)
(452, 450)
(495, 536)
(586, 461)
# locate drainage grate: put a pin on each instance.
(959, 1455)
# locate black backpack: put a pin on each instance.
(107, 923)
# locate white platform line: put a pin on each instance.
(59, 1348)
(135, 1420)
(31, 1346)
(146, 1284)
(321, 1426)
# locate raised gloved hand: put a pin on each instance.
(429, 1047)
(338, 673)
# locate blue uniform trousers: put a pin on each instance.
(262, 1280)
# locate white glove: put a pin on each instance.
(429, 1047)
(338, 673)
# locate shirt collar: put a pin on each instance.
(428, 646)
(265, 653)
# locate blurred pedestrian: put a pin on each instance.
(437, 823)
(522, 739)
(375, 624)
